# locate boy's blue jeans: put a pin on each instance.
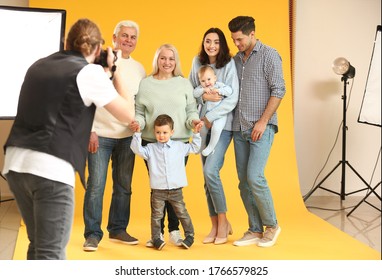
(175, 198)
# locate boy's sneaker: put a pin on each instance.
(176, 238)
(91, 244)
(150, 243)
(187, 243)
(270, 236)
(159, 244)
(123, 237)
(248, 238)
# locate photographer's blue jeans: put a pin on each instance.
(251, 158)
(122, 158)
(47, 209)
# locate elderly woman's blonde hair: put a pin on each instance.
(177, 70)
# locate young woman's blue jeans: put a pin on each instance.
(251, 158)
(122, 158)
(213, 186)
(47, 209)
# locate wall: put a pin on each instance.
(326, 30)
(17, 3)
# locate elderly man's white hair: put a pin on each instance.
(126, 23)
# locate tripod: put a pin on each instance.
(364, 199)
(343, 162)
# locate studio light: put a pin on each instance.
(342, 66)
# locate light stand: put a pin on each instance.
(364, 199)
(341, 66)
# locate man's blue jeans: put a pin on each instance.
(122, 158)
(251, 158)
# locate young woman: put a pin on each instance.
(215, 52)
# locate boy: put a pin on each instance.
(167, 173)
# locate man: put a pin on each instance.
(262, 87)
(111, 139)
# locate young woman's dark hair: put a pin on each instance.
(224, 55)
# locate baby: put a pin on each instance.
(210, 85)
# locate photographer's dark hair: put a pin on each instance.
(164, 120)
(224, 55)
(244, 24)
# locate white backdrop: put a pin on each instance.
(26, 35)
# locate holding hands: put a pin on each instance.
(197, 125)
(134, 126)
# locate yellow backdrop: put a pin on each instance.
(183, 24)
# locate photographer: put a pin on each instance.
(49, 138)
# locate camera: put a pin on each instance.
(102, 59)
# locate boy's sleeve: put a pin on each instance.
(194, 146)
(137, 148)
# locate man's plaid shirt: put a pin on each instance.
(260, 77)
